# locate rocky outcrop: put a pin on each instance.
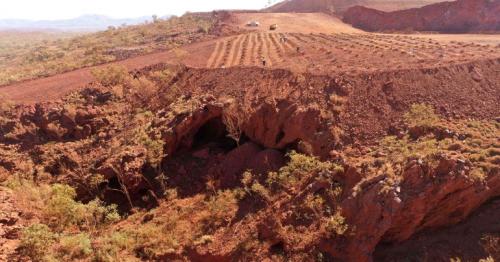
(275, 125)
(453, 17)
(44, 122)
(377, 210)
(426, 197)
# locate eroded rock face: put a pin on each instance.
(285, 123)
(44, 122)
(457, 16)
(426, 197)
(179, 130)
(271, 125)
(127, 168)
(376, 211)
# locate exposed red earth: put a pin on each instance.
(340, 6)
(225, 115)
(453, 17)
(331, 47)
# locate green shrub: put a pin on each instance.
(112, 75)
(152, 240)
(96, 213)
(421, 115)
(477, 175)
(36, 241)
(163, 77)
(400, 150)
(142, 87)
(336, 224)
(109, 247)
(221, 208)
(62, 211)
(299, 166)
(75, 246)
(261, 191)
(153, 146)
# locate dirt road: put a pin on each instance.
(296, 23)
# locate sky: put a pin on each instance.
(63, 9)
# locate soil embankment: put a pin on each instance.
(450, 17)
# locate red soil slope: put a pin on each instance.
(320, 54)
(454, 17)
(339, 6)
(471, 240)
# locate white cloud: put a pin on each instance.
(60, 9)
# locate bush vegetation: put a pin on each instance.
(36, 241)
(27, 56)
(471, 140)
(67, 227)
(421, 115)
(112, 75)
(297, 168)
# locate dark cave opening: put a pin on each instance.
(214, 132)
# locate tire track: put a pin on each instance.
(289, 44)
(300, 38)
(268, 54)
(226, 53)
(250, 60)
(276, 49)
(260, 50)
(234, 51)
(249, 57)
(213, 57)
(220, 56)
(240, 57)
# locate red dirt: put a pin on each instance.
(282, 109)
(54, 87)
(373, 102)
(471, 240)
(339, 6)
(319, 54)
(338, 94)
(455, 17)
(324, 52)
(11, 223)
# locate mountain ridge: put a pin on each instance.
(83, 22)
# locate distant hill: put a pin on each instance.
(340, 6)
(453, 17)
(84, 23)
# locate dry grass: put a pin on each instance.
(58, 53)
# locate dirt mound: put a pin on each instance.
(454, 17)
(340, 6)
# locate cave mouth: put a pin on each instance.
(214, 133)
(201, 158)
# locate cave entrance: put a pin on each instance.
(199, 161)
(214, 133)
